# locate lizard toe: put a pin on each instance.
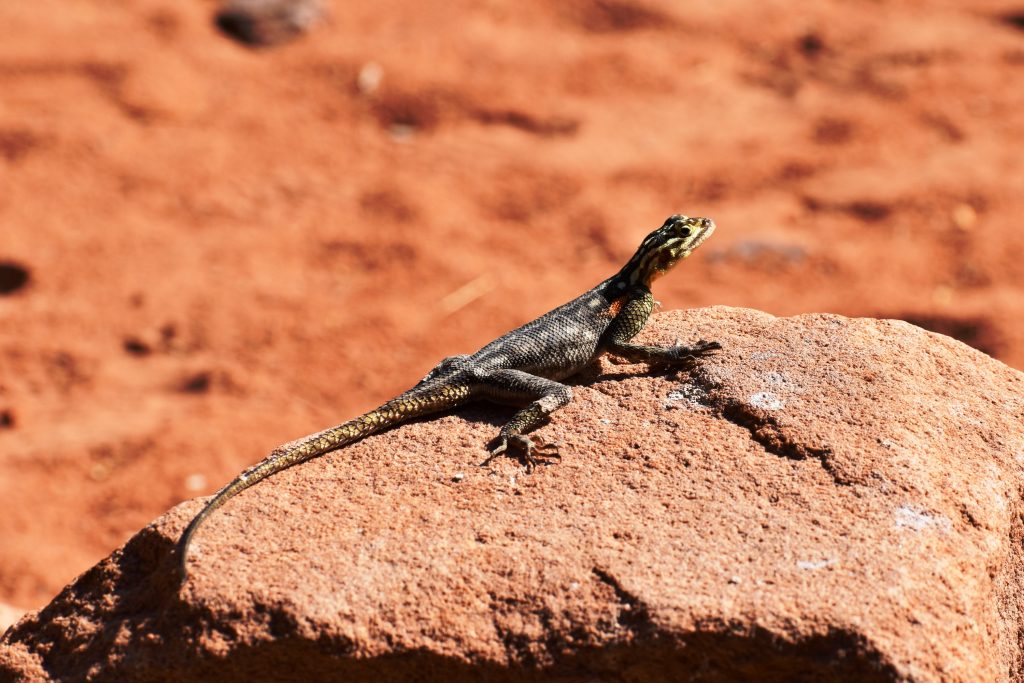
(526, 449)
(540, 454)
(498, 450)
(698, 350)
(547, 450)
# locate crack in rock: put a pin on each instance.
(763, 427)
(634, 615)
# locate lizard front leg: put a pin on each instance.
(515, 386)
(630, 319)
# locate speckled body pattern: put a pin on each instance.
(523, 366)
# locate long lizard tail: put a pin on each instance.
(409, 405)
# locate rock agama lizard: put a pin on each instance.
(523, 367)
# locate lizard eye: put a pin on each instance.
(685, 232)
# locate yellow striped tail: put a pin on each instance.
(410, 405)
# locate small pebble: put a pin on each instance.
(964, 216)
(369, 78)
(195, 482)
(262, 23)
(13, 276)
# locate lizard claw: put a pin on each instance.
(532, 454)
(704, 346)
(539, 453)
(496, 451)
(690, 353)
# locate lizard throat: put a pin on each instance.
(645, 269)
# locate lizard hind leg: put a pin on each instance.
(447, 365)
(545, 396)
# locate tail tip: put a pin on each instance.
(181, 549)
(182, 570)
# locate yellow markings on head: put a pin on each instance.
(665, 247)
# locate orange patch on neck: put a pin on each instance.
(616, 306)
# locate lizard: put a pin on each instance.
(523, 367)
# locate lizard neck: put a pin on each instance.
(621, 284)
(643, 269)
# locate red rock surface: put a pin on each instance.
(229, 248)
(827, 499)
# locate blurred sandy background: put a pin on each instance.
(208, 249)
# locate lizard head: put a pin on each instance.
(665, 247)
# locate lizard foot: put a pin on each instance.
(531, 453)
(688, 354)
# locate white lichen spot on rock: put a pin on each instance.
(815, 564)
(909, 518)
(766, 400)
(691, 396)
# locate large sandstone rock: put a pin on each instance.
(828, 499)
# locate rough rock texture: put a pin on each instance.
(828, 499)
(204, 247)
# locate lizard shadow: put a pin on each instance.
(497, 413)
